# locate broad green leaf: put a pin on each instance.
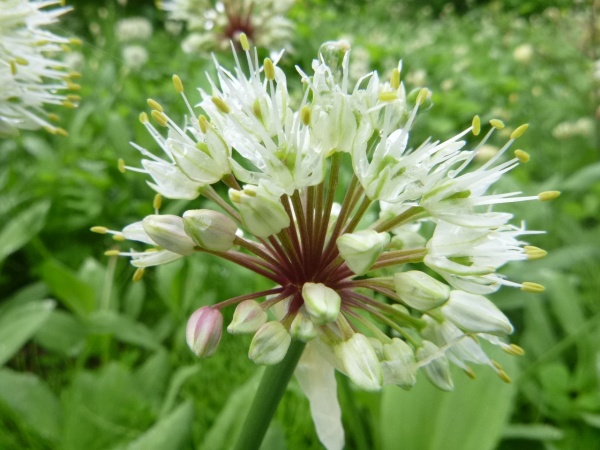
(582, 179)
(469, 418)
(172, 432)
(19, 322)
(32, 401)
(62, 332)
(123, 328)
(22, 227)
(152, 378)
(538, 432)
(75, 294)
(177, 381)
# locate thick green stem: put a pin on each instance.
(269, 393)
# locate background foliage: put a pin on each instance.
(91, 360)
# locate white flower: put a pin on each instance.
(30, 75)
(133, 29)
(135, 56)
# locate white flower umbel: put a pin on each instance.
(213, 24)
(277, 166)
(31, 76)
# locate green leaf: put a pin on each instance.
(177, 381)
(171, 432)
(583, 179)
(123, 328)
(63, 333)
(75, 294)
(21, 228)
(19, 322)
(538, 432)
(33, 402)
(469, 418)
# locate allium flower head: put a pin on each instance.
(213, 24)
(30, 76)
(339, 271)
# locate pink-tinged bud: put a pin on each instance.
(247, 318)
(204, 329)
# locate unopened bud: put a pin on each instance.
(361, 249)
(167, 231)
(437, 368)
(303, 328)
(360, 362)
(399, 365)
(321, 302)
(270, 344)
(204, 329)
(475, 313)
(209, 229)
(420, 291)
(247, 318)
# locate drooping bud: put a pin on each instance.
(167, 231)
(261, 210)
(204, 329)
(270, 344)
(321, 302)
(436, 367)
(475, 313)
(247, 318)
(420, 291)
(361, 249)
(399, 365)
(360, 362)
(303, 328)
(210, 229)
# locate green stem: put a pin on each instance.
(269, 393)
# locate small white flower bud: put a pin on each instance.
(399, 365)
(204, 329)
(475, 313)
(270, 344)
(209, 229)
(360, 362)
(302, 328)
(247, 318)
(361, 249)
(167, 231)
(321, 302)
(420, 291)
(437, 368)
(261, 210)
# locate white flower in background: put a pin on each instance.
(283, 164)
(213, 24)
(30, 75)
(134, 56)
(580, 127)
(523, 53)
(133, 29)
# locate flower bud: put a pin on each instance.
(361, 249)
(399, 365)
(262, 212)
(270, 344)
(420, 291)
(167, 231)
(209, 229)
(302, 328)
(360, 362)
(321, 302)
(436, 366)
(475, 313)
(247, 318)
(204, 329)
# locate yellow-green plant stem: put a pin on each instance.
(270, 391)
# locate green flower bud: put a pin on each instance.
(399, 365)
(321, 302)
(247, 318)
(420, 291)
(361, 249)
(209, 229)
(167, 231)
(270, 344)
(303, 328)
(436, 366)
(476, 314)
(360, 362)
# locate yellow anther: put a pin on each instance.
(395, 79)
(121, 165)
(504, 376)
(99, 230)
(53, 117)
(469, 372)
(68, 104)
(178, 84)
(534, 288)
(548, 195)
(476, 124)
(522, 156)
(21, 61)
(424, 93)
(138, 274)
(305, 115)
(75, 41)
(13, 68)
(73, 86)
(389, 96)
(74, 75)
(497, 124)
(157, 202)
(65, 48)
(256, 109)
(203, 122)
(74, 98)
(269, 69)
(155, 105)
(143, 117)
(496, 364)
(534, 252)
(61, 132)
(514, 349)
(159, 117)
(244, 42)
(118, 237)
(112, 253)
(220, 104)
(519, 131)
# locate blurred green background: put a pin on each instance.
(104, 365)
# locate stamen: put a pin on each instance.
(476, 124)
(533, 288)
(178, 84)
(138, 274)
(155, 105)
(548, 195)
(497, 124)
(519, 131)
(522, 156)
